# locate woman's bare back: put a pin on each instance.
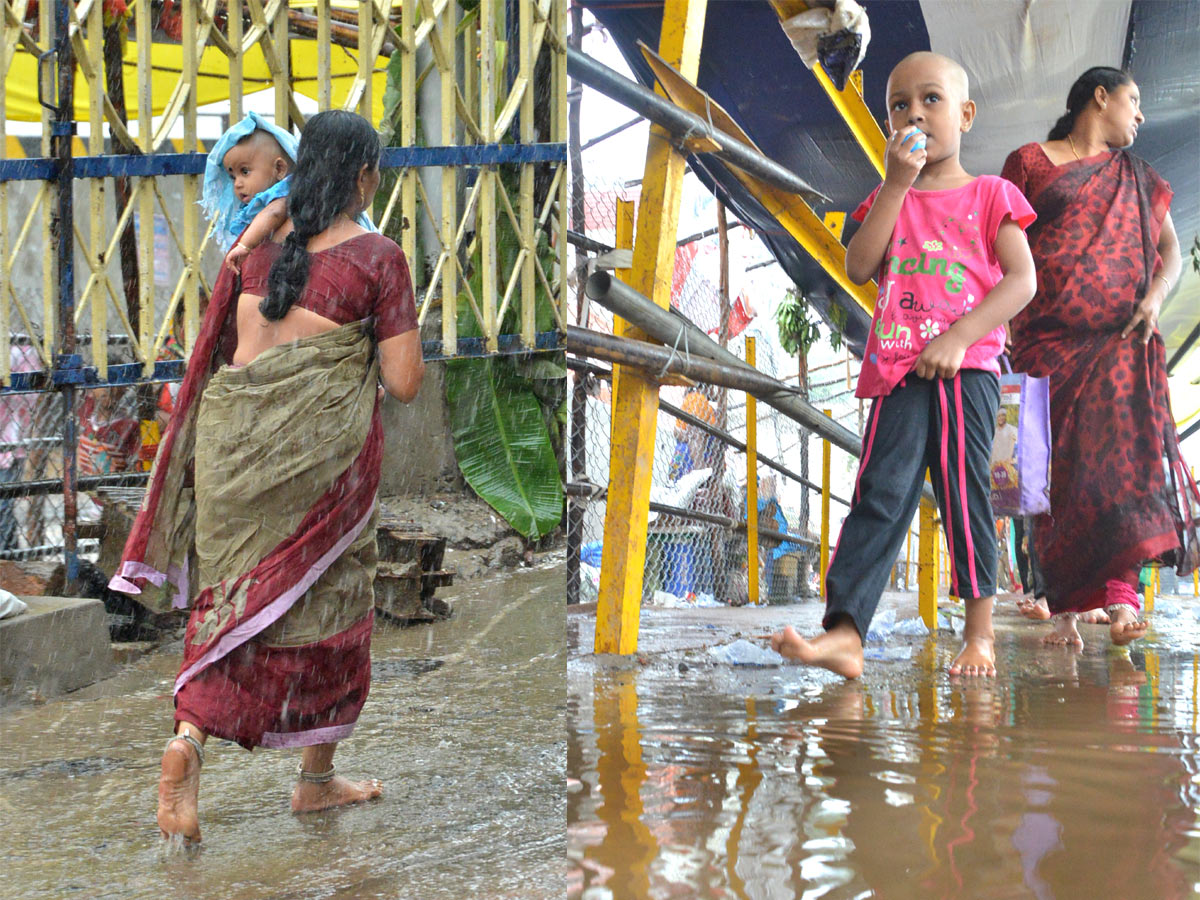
(256, 333)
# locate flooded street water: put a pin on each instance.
(464, 725)
(1070, 776)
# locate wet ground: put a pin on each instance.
(465, 725)
(1072, 775)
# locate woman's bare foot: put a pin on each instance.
(978, 653)
(310, 797)
(1094, 617)
(839, 649)
(1124, 627)
(1065, 633)
(179, 792)
(1034, 609)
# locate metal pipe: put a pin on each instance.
(675, 331)
(720, 434)
(663, 112)
(588, 491)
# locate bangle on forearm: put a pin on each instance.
(247, 249)
(1164, 280)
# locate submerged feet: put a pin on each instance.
(839, 649)
(1065, 633)
(1124, 627)
(339, 791)
(1034, 609)
(179, 792)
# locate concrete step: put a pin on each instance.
(60, 644)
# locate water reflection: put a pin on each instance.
(1075, 776)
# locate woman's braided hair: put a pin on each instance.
(333, 150)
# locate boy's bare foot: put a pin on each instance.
(1034, 609)
(179, 792)
(1065, 633)
(839, 649)
(978, 655)
(310, 797)
(1124, 627)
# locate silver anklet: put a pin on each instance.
(315, 777)
(187, 737)
(1111, 609)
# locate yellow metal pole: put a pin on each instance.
(527, 213)
(366, 59)
(558, 22)
(752, 484)
(907, 556)
(408, 185)
(191, 183)
(235, 62)
(279, 36)
(96, 238)
(927, 565)
(449, 223)
(1148, 595)
(624, 241)
(325, 57)
(5, 267)
(144, 186)
(635, 397)
(485, 232)
(49, 291)
(826, 470)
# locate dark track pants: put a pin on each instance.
(946, 427)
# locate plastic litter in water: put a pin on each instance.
(881, 626)
(911, 628)
(1167, 609)
(743, 653)
(888, 654)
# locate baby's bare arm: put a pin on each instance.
(265, 224)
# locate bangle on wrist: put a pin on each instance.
(1164, 280)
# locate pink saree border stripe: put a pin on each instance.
(277, 740)
(276, 608)
(133, 569)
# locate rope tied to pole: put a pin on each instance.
(687, 356)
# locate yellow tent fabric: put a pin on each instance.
(212, 86)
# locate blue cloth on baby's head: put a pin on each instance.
(218, 199)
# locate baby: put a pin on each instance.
(247, 173)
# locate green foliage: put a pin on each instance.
(1196, 254)
(798, 329)
(508, 413)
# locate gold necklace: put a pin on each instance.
(1073, 150)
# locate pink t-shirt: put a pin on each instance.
(940, 264)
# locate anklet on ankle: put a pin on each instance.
(315, 777)
(186, 736)
(1113, 607)
(1064, 617)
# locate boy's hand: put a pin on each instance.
(905, 157)
(236, 254)
(942, 357)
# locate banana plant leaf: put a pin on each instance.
(502, 445)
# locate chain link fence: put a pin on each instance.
(696, 550)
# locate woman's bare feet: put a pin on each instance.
(1065, 633)
(1034, 609)
(1094, 617)
(839, 649)
(309, 797)
(1124, 627)
(179, 792)
(978, 655)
